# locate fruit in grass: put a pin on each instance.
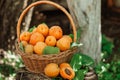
(63, 44)
(39, 47)
(43, 28)
(25, 36)
(36, 37)
(56, 31)
(52, 70)
(29, 49)
(50, 40)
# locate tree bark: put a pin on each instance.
(9, 14)
(86, 14)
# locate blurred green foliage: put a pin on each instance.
(107, 70)
(107, 47)
(8, 65)
(80, 64)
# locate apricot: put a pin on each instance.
(43, 28)
(25, 36)
(36, 37)
(24, 43)
(29, 49)
(52, 70)
(63, 65)
(56, 31)
(50, 40)
(63, 44)
(68, 37)
(39, 47)
(67, 73)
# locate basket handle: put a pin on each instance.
(45, 2)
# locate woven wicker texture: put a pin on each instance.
(36, 63)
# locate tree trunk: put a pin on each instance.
(86, 14)
(9, 13)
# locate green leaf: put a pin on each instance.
(108, 76)
(114, 68)
(79, 75)
(72, 36)
(108, 48)
(118, 62)
(76, 62)
(118, 76)
(76, 44)
(86, 60)
(104, 55)
(104, 39)
(51, 50)
(31, 29)
(1, 77)
(21, 46)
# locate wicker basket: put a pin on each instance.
(36, 63)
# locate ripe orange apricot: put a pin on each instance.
(67, 73)
(25, 36)
(56, 31)
(34, 30)
(43, 28)
(24, 43)
(50, 40)
(68, 37)
(63, 44)
(63, 65)
(52, 70)
(36, 37)
(38, 48)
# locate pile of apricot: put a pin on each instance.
(42, 36)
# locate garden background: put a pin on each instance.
(10, 62)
